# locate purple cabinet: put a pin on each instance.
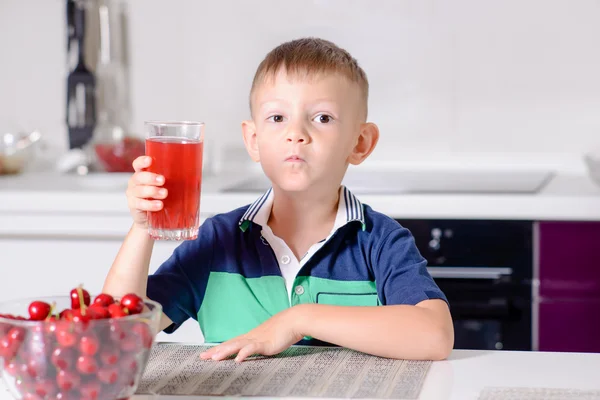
(569, 302)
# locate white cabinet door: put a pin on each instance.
(50, 267)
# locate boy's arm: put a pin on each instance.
(129, 271)
(420, 332)
(423, 331)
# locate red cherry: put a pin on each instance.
(133, 303)
(8, 349)
(37, 367)
(11, 368)
(63, 358)
(97, 311)
(103, 300)
(144, 334)
(128, 365)
(16, 335)
(108, 375)
(87, 365)
(39, 310)
(66, 314)
(117, 333)
(116, 311)
(90, 390)
(66, 396)
(77, 298)
(45, 387)
(131, 343)
(89, 344)
(109, 356)
(67, 380)
(65, 335)
(31, 396)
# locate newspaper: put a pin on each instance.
(525, 393)
(300, 371)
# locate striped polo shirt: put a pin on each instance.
(233, 277)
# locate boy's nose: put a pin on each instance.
(297, 134)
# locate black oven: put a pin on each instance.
(485, 268)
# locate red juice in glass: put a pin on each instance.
(179, 160)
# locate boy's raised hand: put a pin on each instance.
(144, 191)
(271, 337)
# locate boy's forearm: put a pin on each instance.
(129, 272)
(395, 331)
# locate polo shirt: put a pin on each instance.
(348, 210)
(229, 278)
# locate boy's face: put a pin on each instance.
(305, 131)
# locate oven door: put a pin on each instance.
(489, 310)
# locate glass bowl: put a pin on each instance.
(100, 359)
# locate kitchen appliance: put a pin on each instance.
(485, 268)
(81, 84)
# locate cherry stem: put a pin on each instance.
(81, 302)
(52, 309)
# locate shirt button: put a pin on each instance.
(285, 259)
(299, 290)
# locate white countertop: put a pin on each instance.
(467, 372)
(48, 202)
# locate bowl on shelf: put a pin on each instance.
(17, 151)
(74, 358)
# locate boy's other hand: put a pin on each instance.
(271, 337)
(144, 191)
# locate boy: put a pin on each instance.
(307, 259)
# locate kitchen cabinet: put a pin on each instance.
(569, 287)
(36, 267)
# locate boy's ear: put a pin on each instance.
(250, 139)
(367, 140)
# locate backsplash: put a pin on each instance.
(466, 76)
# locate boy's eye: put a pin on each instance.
(275, 118)
(323, 118)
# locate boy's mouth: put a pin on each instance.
(294, 158)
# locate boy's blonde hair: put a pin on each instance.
(307, 57)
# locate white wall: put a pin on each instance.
(446, 76)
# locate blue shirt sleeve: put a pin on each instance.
(401, 272)
(180, 282)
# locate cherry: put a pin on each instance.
(37, 367)
(63, 358)
(66, 396)
(16, 335)
(133, 303)
(109, 356)
(97, 311)
(128, 364)
(144, 333)
(67, 380)
(89, 344)
(79, 296)
(87, 365)
(65, 335)
(11, 368)
(66, 315)
(116, 332)
(90, 390)
(45, 387)
(131, 343)
(39, 310)
(50, 326)
(116, 311)
(8, 349)
(108, 375)
(103, 300)
(31, 396)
